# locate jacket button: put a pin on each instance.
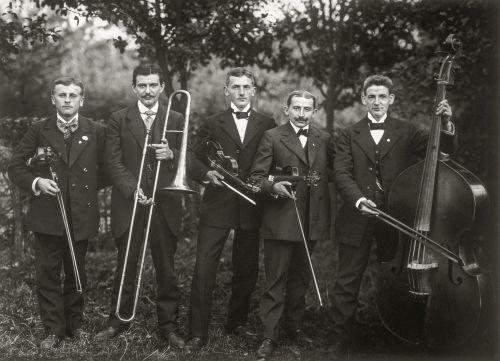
(85, 170)
(237, 151)
(89, 205)
(368, 187)
(86, 187)
(370, 169)
(73, 185)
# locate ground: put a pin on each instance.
(21, 330)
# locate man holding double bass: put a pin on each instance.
(368, 157)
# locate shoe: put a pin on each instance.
(194, 345)
(339, 350)
(174, 339)
(75, 334)
(266, 349)
(242, 331)
(50, 342)
(109, 333)
(300, 338)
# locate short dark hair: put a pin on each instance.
(302, 94)
(237, 72)
(67, 80)
(147, 69)
(378, 79)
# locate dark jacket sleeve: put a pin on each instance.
(119, 175)
(262, 163)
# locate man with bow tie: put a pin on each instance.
(369, 155)
(125, 141)
(300, 144)
(76, 145)
(238, 130)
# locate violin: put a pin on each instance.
(435, 296)
(291, 174)
(228, 167)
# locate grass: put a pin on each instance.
(21, 330)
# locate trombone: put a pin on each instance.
(49, 159)
(179, 184)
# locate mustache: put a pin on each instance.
(300, 119)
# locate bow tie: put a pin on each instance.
(377, 126)
(150, 113)
(67, 128)
(241, 115)
(302, 131)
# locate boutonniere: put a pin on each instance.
(85, 138)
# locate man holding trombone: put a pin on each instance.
(59, 161)
(294, 218)
(136, 145)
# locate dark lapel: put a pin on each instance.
(313, 141)
(364, 139)
(228, 126)
(391, 136)
(55, 138)
(136, 125)
(159, 123)
(254, 122)
(80, 140)
(292, 142)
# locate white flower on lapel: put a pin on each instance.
(85, 138)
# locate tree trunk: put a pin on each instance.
(17, 208)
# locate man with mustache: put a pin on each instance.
(125, 141)
(299, 144)
(238, 130)
(73, 146)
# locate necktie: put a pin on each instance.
(150, 116)
(303, 132)
(67, 128)
(241, 115)
(377, 126)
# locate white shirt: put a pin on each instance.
(302, 138)
(143, 109)
(378, 133)
(33, 184)
(241, 124)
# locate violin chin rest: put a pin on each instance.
(472, 269)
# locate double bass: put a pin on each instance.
(423, 297)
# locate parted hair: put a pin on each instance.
(147, 69)
(378, 79)
(237, 72)
(67, 80)
(301, 94)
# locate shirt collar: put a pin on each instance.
(296, 129)
(144, 109)
(67, 121)
(235, 108)
(373, 120)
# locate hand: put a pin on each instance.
(214, 178)
(47, 186)
(142, 199)
(37, 160)
(365, 210)
(162, 151)
(444, 109)
(282, 189)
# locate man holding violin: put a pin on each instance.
(59, 161)
(369, 155)
(299, 144)
(237, 131)
(125, 142)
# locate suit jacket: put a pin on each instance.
(124, 144)
(281, 147)
(221, 207)
(402, 144)
(84, 173)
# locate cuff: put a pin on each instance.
(359, 201)
(450, 128)
(36, 191)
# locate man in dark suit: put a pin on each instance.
(238, 130)
(126, 138)
(299, 144)
(369, 155)
(76, 146)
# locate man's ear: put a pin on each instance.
(286, 110)
(363, 99)
(226, 90)
(391, 98)
(53, 99)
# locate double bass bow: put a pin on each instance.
(423, 296)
